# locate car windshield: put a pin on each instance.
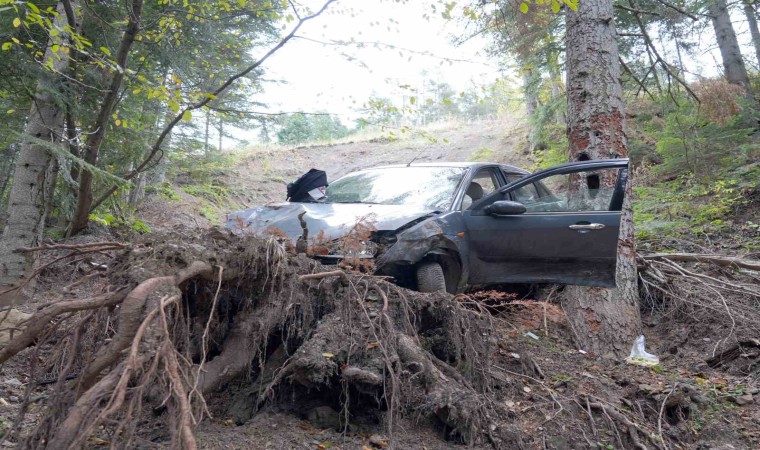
(429, 187)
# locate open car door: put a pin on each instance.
(559, 225)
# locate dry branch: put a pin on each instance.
(320, 275)
(41, 319)
(720, 260)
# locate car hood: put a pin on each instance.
(335, 220)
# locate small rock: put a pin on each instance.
(378, 441)
(745, 399)
(13, 382)
(649, 389)
(15, 399)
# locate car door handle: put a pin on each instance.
(588, 226)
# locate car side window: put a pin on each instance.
(483, 184)
(575, 192)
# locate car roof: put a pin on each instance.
(462, 164)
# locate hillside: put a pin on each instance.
(200, 193)
(264, 172)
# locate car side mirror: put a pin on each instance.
(505, 208)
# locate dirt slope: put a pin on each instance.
(263, 175)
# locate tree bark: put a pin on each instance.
(9, 155)
(749, 12)
(733, 64)
(605, 320)
(92, 146)
(33, 178)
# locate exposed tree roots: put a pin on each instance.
(185, 317)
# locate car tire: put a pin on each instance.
(430, 277)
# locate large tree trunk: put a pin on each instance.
(33, 177)
(92, 146)
(605, 320)
(733, 64)
(7, 158)
(749, 11)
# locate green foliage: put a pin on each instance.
(690, 206)
(209, 212)
(555, 5)
(699, 161)
(555, 149)
(111, 221)
(166, 190)
(483, 154)
(299, 128)
(211, 192)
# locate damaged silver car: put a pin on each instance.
(452, 226)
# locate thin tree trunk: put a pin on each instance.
(205, 137)
(33, 177)
(556, 81)
(681, 67)
(221, 132)
(749, 12)
(92, 146)
(733, 64)
(528, 86)
(605, 321)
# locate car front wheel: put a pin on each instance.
(430, 277)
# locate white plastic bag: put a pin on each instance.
(639, 355)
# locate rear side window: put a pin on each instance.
(572, 192)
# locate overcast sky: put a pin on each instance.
(340, 78)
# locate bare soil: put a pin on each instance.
(262, 177)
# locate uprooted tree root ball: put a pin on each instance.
(185, 317)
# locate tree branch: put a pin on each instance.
(156, 147)
(71, 17)
(638, 11)
(721, 260)
(651, 46)
(677, 8)
(639, 82)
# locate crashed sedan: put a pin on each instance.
(453, 226)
